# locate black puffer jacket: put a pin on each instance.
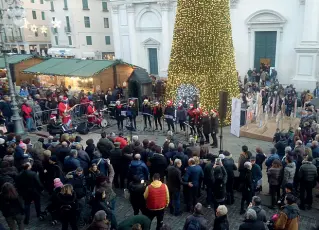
(308, 172)
(274, 176)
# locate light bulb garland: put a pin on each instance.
(202, 52)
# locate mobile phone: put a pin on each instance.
(218, 160)
(142, 181)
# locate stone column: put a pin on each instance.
(116, 31)
(131, 25)
(308, 48)
(165, 46)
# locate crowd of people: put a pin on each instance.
(155, 177)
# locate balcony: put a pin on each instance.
(14, 39)
(67, 29)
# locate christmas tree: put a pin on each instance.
(202, 53)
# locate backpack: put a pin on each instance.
(194, 224)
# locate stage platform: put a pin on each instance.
(266, 132)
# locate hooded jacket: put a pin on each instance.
(137, 193)
(289, 173)
(138, 168)
(261, 213)
(288, 218)
(105, 146)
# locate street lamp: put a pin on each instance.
(16, 12)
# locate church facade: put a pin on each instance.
(283, 34)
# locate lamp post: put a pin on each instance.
(17, 13)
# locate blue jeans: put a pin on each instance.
(175, 202)
(28, 122)
(112, 203)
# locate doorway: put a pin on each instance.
(153, 62)
(265, 48)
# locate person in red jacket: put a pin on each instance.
(27, 110)
(121, 140)
(157, 199)
(64, 111)
(90, 112)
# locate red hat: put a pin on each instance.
(169, 102)
(191, 105)
(65, 98)
(214, 111)
(52, 116)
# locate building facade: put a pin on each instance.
(282, 33)
(85, 29)
(27, 38)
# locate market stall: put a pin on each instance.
(87, 75)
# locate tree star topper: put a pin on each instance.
(56, 24)
(44, 30)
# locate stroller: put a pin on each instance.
(52, 208)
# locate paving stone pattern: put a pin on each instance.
(123, 207)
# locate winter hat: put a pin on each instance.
(222, 156)
(289, 186)
(222, 210)
(23, 146)
(253, 158)
(2, 141)
(226, 153)
(78, 139)
(57, 183)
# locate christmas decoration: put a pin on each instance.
(186, 92)
(34, 28)
(56, 23)
(44, 30)
(202, 52)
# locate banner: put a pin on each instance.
(235, 117)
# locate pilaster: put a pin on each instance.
(130, 8)
(116, 31)
(165, 54)
(308, 48)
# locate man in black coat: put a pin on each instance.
(174, 182)
(214, 127)
(116, 158)
(30, 188)
(158, 165)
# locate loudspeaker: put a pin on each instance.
(223, 97)
(82, 128)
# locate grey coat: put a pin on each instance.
(289, 173)
(261, 213)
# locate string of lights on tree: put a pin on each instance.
(202, 52)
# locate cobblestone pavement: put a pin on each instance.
(124, 210)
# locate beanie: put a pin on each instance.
(57, 183)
